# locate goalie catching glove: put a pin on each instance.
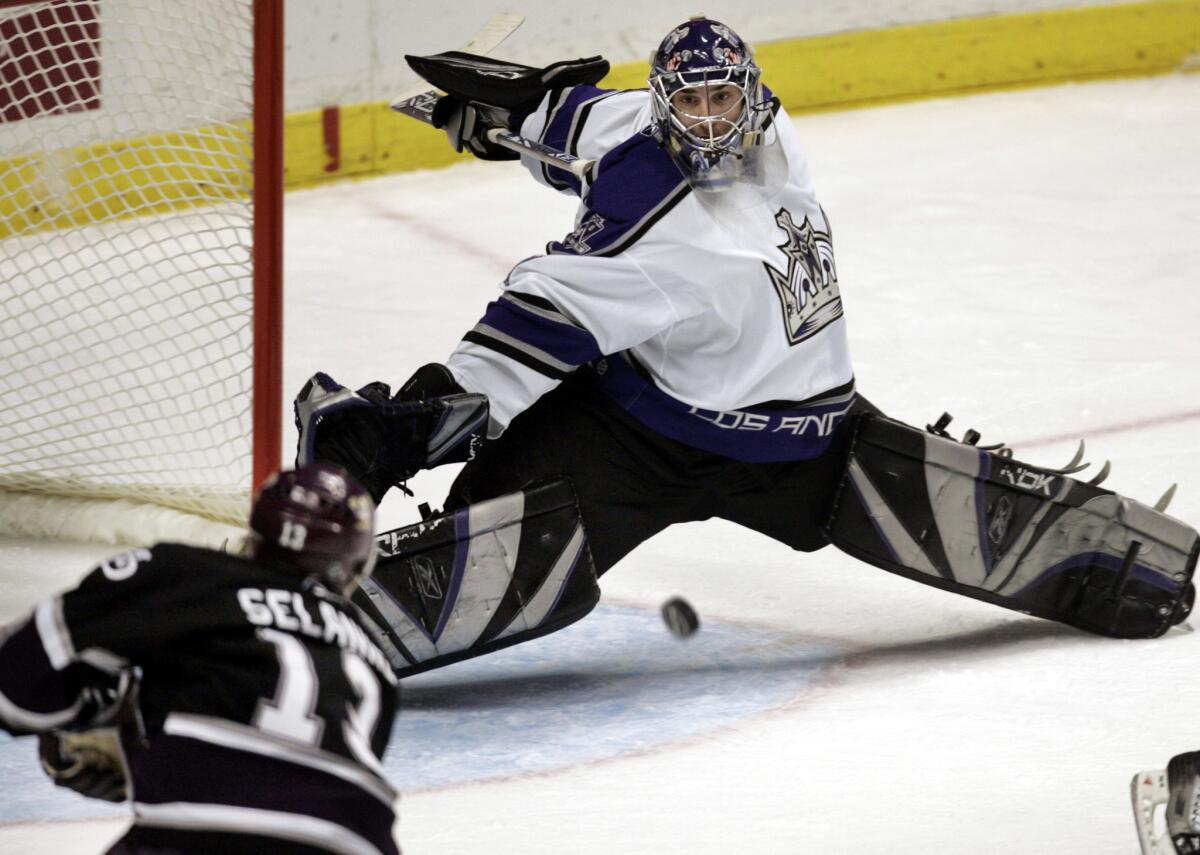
(383, 440)
(483, 94)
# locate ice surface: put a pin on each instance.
(1028, 261)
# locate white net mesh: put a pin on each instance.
(125, 251)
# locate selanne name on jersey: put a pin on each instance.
(284, 610)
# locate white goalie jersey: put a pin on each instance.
(712, 317)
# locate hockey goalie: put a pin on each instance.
(680, 354)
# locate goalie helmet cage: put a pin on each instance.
(141, 181)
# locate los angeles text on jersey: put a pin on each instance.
(285, 610)
(816, 424)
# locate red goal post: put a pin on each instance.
(141, 181)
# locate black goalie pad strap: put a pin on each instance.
(504, 84)
(483, 577)
(993, 528)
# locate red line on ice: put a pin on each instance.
(1107, 430)
(447, 238)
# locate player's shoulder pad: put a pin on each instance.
(164, 559)
(634, 186)
(633, 179)
(185, 558)
(123, 566)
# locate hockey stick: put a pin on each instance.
(577, 166)
(421, 106)
(418, 102)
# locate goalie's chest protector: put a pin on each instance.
(757, 289)
(757, 318)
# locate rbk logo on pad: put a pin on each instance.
(1001, 518)
(807, 289)
(1028, 479)
(427, 578)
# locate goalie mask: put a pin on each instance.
(317, 520)
(710, 108)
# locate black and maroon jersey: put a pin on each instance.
(266, 704)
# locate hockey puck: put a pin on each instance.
(681, 619)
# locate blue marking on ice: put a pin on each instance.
(29, 795)
(614, 683)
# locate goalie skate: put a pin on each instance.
(1150, 793)
(1166, 807)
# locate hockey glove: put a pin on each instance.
(384, 441)
(467, 123)
(88, 762)
(432, 380)
(487, 93)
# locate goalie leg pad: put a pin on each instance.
(480, 578)
(1038, 541)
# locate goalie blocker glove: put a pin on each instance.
(383, 440)
(483, 94)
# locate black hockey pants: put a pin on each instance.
(633, 482)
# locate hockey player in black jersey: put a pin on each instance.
(236, 701)
(682, 354)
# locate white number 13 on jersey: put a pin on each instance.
(291, 713)
(292, 535)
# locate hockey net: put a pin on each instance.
(140, 187)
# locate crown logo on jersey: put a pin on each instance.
(807, 289)
(578, 239)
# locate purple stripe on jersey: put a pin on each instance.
(217, 775)
(560, 339)
(636, 185)
(751, 434)
(558, 134)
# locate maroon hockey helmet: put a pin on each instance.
(318, 520)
